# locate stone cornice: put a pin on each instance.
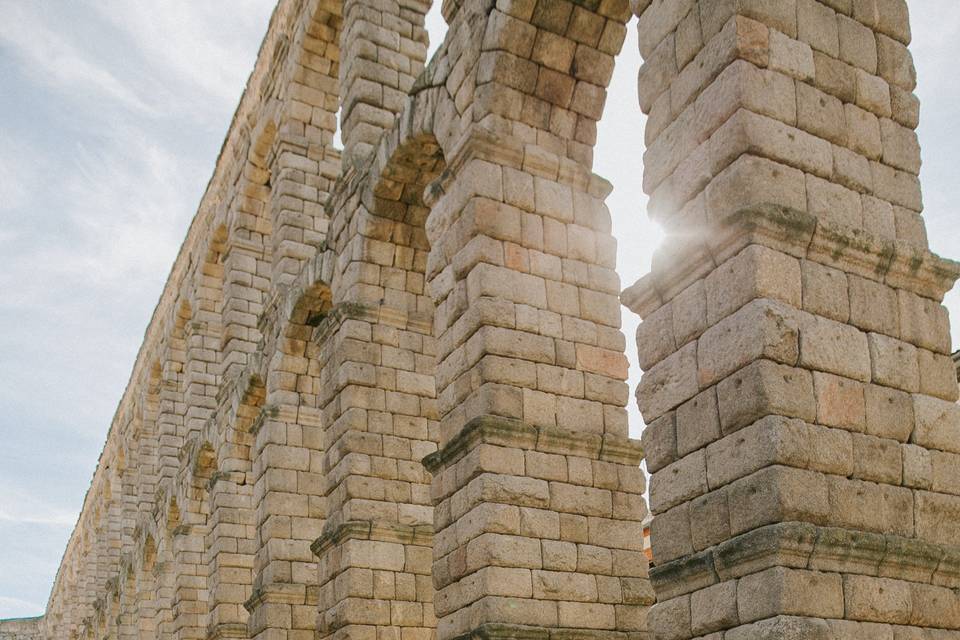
(227, 630)
(276, 593)
(684, 259)
(419, 535)
(506, 432)
(807, 546)
(501, 631)
(381, 314)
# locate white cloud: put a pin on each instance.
(16, 184)
(93, 221)
(17, 608)
(175, 37)
(21, 507)
(95, 196)
(52, 60)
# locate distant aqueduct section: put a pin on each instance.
(383, 394)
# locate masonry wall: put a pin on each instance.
(444, 287)
(383, 393)
(20, 629)
(798, 385)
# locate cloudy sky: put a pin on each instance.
(111, 116)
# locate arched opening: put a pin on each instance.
(146, 590)
(377, 390)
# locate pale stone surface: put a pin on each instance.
(383, 394)
(793, 201)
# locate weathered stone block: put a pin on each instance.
(752, 181)
(710, 520)
(827, 345)
(679, 482)
(670, 533)
(698, 422)
(840, 402)
(889, 412)
(714, 608)
(894, 363)
(669, 383)
(671, 620)
(873, 306)
(782, 591)
(761, 329)
(765, 388)
(756, 272)
(937, 424)
(825, 291)
(777, 494)
(877, 459)
(659, 440)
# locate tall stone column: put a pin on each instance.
(379, 410)
(537, 489)
(305, 164)
(189, 604)
(798, 390)
(384, 46)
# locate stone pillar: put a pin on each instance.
(231, 547)
(383, 48)
(201, 368)
(305, 163)
(798, 390)
(127, 624)
(170, 418)
(247, 268)
(379, 410)
(537, 489)
(288, 489)
(189, 605)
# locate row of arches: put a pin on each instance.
(325, 331)
(166, 544)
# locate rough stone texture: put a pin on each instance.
(383, 394)
(20, 629)
(803, 437)
(440, 289)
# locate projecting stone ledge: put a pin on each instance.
(691, 256)
(801, 545)
(523, 632)
(507, 432)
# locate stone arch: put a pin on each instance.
(146, 435)
(127, 590)
(377, 353)
(287, 456)
(248, 258)
(522, 270)
(171, 416)
(146, 585)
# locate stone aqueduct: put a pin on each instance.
(383, 394)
